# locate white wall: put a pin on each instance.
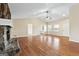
(74, 23)
(5, 22)
(20, 28)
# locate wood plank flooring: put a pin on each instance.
(47, 45)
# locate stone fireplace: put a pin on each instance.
(5, 26)
(8, 46)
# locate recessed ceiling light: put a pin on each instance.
(64, 15)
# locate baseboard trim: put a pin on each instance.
(74, 41)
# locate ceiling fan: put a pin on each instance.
(45, 14)
(52, 14)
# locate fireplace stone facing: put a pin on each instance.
(5, 11)
(2, 46)
(8, 46)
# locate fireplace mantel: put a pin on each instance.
(6, 22)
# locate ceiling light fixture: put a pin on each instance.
(47, 16)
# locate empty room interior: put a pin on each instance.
(39, 29)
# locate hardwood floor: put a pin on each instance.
(47, 45)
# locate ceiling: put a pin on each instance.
(24, 10)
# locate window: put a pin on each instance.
(56, 28)
(49, 28)
(43, 28)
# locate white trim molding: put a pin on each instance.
(74, 41)
(6, 22)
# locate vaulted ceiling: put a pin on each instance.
(24, 10)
